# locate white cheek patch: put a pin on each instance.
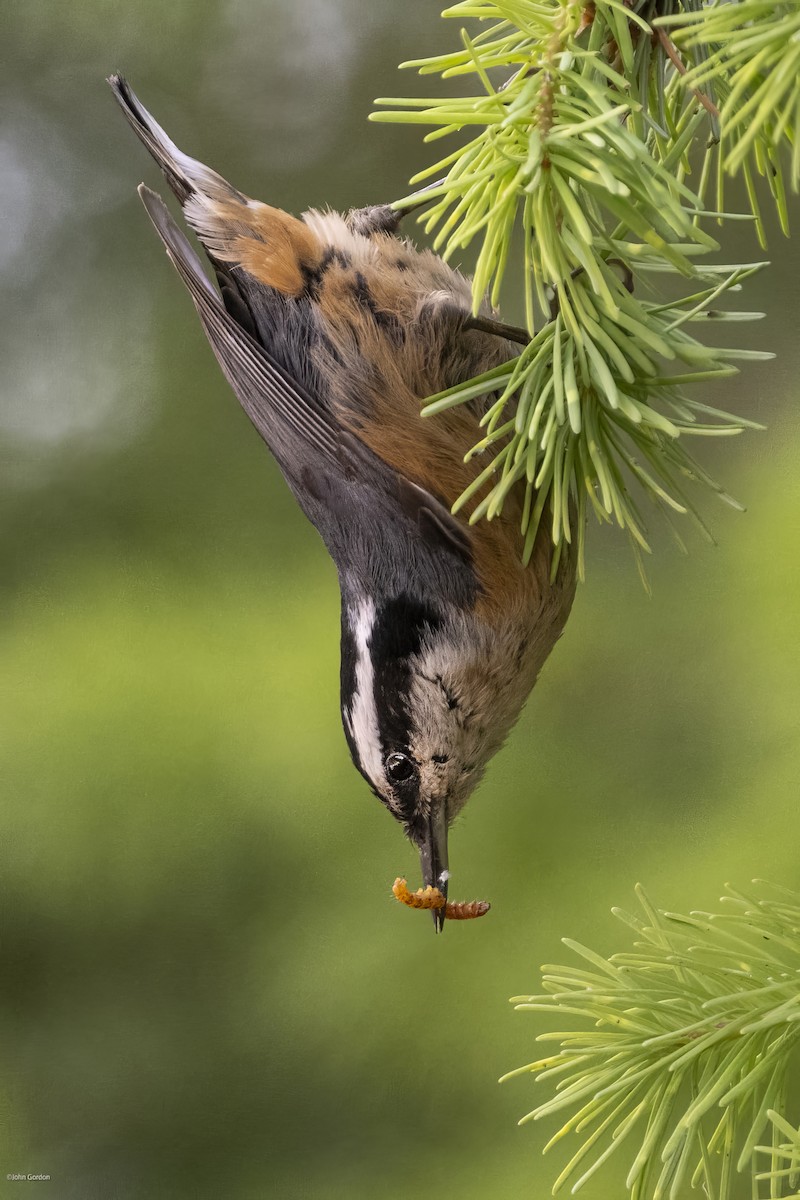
(362, 717)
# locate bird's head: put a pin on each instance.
(423, 715)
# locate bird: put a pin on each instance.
(332, 329)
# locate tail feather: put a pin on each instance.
(276, 249)
(186, 176)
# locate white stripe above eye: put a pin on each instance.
(363, 715)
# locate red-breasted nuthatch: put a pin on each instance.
(331, 330)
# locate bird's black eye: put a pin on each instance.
(400, 768)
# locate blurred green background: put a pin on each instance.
(207, 989)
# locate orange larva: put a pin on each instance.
(466, 910)
(431, 897)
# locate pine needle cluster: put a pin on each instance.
(603, 132)
(680, 1057)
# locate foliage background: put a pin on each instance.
(206, 988)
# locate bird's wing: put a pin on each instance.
(282, 410)
(278, 407)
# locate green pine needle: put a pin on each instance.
(586, 125)
(680, 1056)
(784, 1158)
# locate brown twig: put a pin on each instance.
(680, 66)
(513, 333)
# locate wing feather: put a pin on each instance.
(276, 404)
(282, 410)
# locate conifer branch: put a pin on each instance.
(681, 1051)
(587, 123)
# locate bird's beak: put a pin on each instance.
(433, 858)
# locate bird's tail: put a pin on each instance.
(274, 247)
(186, 176)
